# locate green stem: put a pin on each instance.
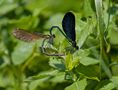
(101, 28)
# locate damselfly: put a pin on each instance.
(23, 35)
(68, 24)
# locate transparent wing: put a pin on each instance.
(26, 36)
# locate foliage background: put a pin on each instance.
(93, 67)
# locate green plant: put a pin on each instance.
(93, 67)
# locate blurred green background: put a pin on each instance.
(24, 67)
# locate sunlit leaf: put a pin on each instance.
(85, 70)
(22, 52)
(114, 79)
(57, 63)
(88, 61)
(24, 22)
(109, 86)
(68, 62)
(4, 8)
(78, 85)
(113, 36)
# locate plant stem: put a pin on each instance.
(101, 28)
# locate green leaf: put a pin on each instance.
(22, 52)
(78, 85)
(59, 78)
(6, 78)
(114, 79)
(85, 32)
(109, 86)
(91, 72)
(25, 22)
(45, 78)
(36, 6)
(2, 48)
(68, 62)
(101, 30)
(88, 61)
(113, 37)
(57, 63)
(5, 8)
(42, 75)
(55, 20)
(83, 53)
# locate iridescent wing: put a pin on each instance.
(68, 24)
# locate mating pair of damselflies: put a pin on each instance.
(68, 24)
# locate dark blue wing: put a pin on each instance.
(68, 25)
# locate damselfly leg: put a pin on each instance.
(44, 51)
